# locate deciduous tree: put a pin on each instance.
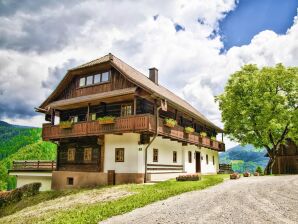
(259, 107)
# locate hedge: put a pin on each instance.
(8, 197)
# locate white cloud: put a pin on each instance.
(46, 41)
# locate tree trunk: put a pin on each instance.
(268, 169)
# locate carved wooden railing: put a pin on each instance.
(38, 165)
(137, 123)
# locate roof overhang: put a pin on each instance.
(94, 98)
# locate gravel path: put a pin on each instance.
(270, 199)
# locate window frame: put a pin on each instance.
(213, 159)
(100, 74)
(84, 81)
(118, 157)
(126, 110)
(189, 157)
(88, 158)
(71, 156)
(155, 155)
(175, 156)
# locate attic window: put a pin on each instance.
(94, 79)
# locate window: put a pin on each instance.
(155, 155)
(207, 159)
(126, 110)
(189, 157)
(105, 77)
(87, 154)
(213, 160)
(69, 180)
(89, 80)
(97, 78)
(82, 81)
(71, 154)
(119, 154)
(94, 79)
(92, 116)
(74, 119)
(174, 157)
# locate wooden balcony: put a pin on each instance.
(137, 124)
(33, 165)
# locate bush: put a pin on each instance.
(246, 174)
(234, 176)
(256, 174)
(188, 177)
(16, 195)
(259, 170)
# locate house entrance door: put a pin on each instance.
(198, 162)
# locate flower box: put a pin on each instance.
(203, 134)
(188, 177)
(234, 176)
(213, 138)
(65, 124)
(246, 174)
(189, 130)
(169, 122)
(106, 120)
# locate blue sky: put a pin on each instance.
(253, 16)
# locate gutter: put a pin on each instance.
(155, 135)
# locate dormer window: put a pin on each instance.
(94, 79)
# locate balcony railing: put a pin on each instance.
(33, 165)
(137, 123)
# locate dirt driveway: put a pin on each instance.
(270, 199)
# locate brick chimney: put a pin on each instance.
(153, 75)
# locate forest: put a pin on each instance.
(20, 143)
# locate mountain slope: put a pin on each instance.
(20, 143)
(244, 158)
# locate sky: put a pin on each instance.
(196, 45)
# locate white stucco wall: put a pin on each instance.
(34, 177)
(135, 155)
(133, 162)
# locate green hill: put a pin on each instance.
(20, 143)
(244, 158)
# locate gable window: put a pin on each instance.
(87, 154)
(155, 155)
(189, 157)
(207, 159)
(213, 160)
(94, 79)
(105, 77)
(126, 110)
(174, 156)
(82, 81)
(119, 155)
(89, 80)
(97, 78)
(71, 152)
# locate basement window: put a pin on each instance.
(69, 180)
(119, 155)
(213, 160)
(207, 159)
(155, 155)
(189, 157)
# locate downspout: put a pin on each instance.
(154, 136)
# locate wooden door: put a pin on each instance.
(198, 162)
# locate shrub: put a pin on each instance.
(246, 174)
(189, 130)
(256, 174)
(16, 195)
(106, 120)
(259, 170)
(188, 177)
(234, 176)
(169, 122)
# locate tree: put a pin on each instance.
(259, 107)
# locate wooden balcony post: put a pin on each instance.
(222, 135)
(88, 112)
(134, 105)
(52, 117)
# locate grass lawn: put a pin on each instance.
(144, 195)
(36, 199)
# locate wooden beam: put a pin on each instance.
(53, 117)
(135, 105)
